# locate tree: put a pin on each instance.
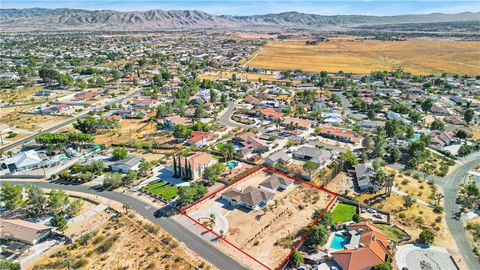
(36, 204)
(126, 207)
(119, 153)
(427, 105)
(189, 194)
(129, 178)
(227, 150)
(325, 220)
(415, 116)
(86, 125)
(144, 167)
(9, 265)
(11, 196)
(48, 74)
(58, 201)
(310, 166)
(213, 96)
(356, 218)
(349, 159)
(438, 197)
(211, 173)
(468, 115)
(461, 134)
(395, 154)
(317, 237)
(426, 237)
(182, 132)
(437, 125)
(74, 208)
(408, 201)
(60, 223)
(112, 180)
(200, 112)
(297, 258)
(383, 266)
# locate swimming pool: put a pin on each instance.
(232, 164)
(338, 242)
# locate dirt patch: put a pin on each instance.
(111, 247)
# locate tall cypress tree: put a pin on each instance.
(175, 174)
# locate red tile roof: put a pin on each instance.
(374, 248)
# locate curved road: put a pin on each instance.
(194, 242)
(454, 222)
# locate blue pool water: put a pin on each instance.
(338, 242)
(232, 164)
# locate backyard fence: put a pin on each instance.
(362, 205)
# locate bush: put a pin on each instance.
(438, 209)
(426, 237)
(80, 263)
(106, 245)
(401, 215)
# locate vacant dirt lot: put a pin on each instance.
(418, 56)
(268, 234)
(111, 247)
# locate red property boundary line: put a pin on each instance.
(210, 196)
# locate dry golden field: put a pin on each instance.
(418, 56)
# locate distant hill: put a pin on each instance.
(77, 19)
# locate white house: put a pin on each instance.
(24, 161)
(127, 164)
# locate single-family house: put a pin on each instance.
(279, 157)
(24, 231)
(363, 173)
(367, 246)
(192, 167)
(321, 157)
(144, 103)
(199, 138)
(275, 182)
(171, 121)
(440, 139)
(24, 161)
(303, 124)
(250, 197)
(339, 135)
(125, 165)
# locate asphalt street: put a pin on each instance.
(194, 242)
(69, 121)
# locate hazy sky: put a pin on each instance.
(251, 7)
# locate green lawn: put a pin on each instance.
(343, 213)
(393, 232)
(160, 189)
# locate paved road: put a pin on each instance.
(226, 117)
(69, 121)
(450, 185)
(454, 222)
(194, 242)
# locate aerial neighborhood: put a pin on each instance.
(180, 150)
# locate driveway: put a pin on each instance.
(416, 257)
(221, 222)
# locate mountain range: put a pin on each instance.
(78, 19)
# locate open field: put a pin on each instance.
(418, 56)
(268, 233)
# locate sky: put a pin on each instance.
(255, 7)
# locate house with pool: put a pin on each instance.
(360, 246)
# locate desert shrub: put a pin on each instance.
(438, 209)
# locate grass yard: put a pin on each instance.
(428, 57)
(343, 213)
(163, 190)
(393, 232)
